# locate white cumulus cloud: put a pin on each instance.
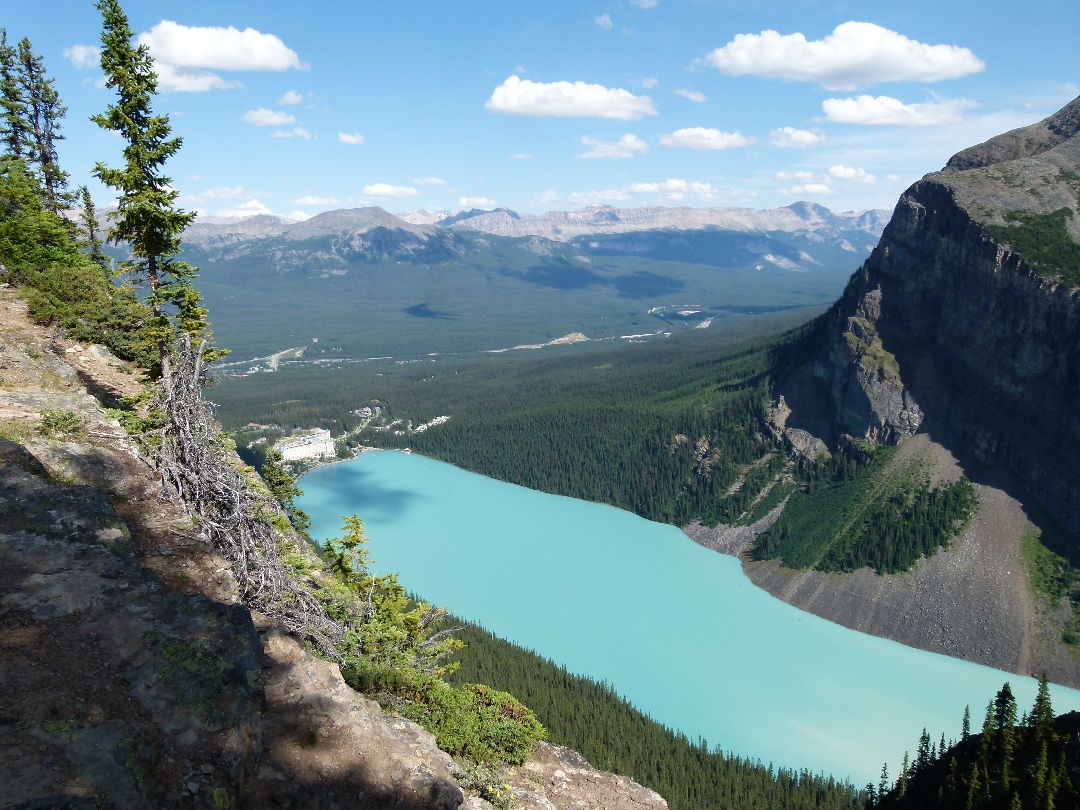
(851, 173)
(517, 96)
(704, 139)
(886, 111)
(808, 190)
(268, 118)
(429, 181)
(692, 95)
(249, 209)
(290, 97)
(222, 193)
(650, 82)
(217, 48)
(672, 190)
(175, 79)
(317, 201)
(521, 156)
(83, 56)
(476, 202)
(604, 21)
(626, 147)
(675, 189)
(791, 138)
(354, 139)
(385, 190)
(295, 132)
(590, 197)
(184, 56)
(800, 176)
(855, 54)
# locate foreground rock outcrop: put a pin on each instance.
(131, 676)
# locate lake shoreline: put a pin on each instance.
(799, 690)
(906, 608)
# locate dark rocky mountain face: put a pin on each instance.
(965, 320)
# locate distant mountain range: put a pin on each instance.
(376, 283)
(560, 226)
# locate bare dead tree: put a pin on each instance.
(231, 512)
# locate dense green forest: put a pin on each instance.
(614, 736)
(861, 508)
(1028, 763)
(662, 429)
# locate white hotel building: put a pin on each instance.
(316, 444)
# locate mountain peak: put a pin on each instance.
(473, 213)
(811, 211)
(1024, 142)
(347, 220)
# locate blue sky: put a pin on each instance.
(555, 105)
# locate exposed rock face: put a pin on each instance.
(1020, 143)
(557, 778)
(945, 329)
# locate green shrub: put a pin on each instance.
(488, 784)
(474, 721)
(62, 421)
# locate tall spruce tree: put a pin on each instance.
(92, 231)
(43, 112)
(147, 219)
(14, 128)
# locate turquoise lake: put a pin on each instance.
(675, 628)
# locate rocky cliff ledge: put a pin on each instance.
(130, 674)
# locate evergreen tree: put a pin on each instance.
(284, 488)
(14, 129)
(147, 218)
(923, 756)
(1041, 718)
(91, 231)
(884, 784)
(1004, 709)
(905, 774)
(43, 112)
(965, 726)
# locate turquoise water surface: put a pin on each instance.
(677, 629)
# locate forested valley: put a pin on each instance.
(674, 430)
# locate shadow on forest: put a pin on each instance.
(424, 311)
(639, 284)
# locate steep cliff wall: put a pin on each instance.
(950, 330)
(959, 339)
